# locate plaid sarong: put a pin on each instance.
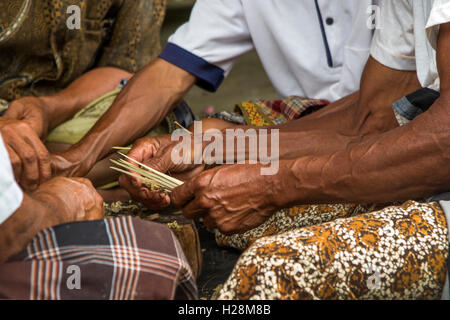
(273, 112)
(120, 259)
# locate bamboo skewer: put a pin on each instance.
(150, 177)
(122, 148)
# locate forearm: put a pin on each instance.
(88, 87)
(144, 102)
(22, 226)
(355, 117)
(405, 163)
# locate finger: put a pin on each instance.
(43, 157)
(130, 184)
(162, 163)
(15, 163)
(183, 194)
(30, 168)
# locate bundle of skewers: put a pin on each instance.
(151, 178)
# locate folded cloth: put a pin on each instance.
(184, 229)
(118, 259)
(271, 112)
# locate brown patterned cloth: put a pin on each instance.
(399, 252)
(40, 55)
(119, 258)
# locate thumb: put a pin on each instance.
(162, 162)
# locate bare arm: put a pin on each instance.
(52, 204)
(144, 102)
(351, 119)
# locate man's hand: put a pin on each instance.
(157, 153)
(61, 200)
(32, 110)
(29, 157)
(70, 200)
(233, 198)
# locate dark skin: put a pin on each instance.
(357, 156)
(60, 200)
(159, 85)
(27, 121)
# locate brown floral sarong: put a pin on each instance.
(399, 252)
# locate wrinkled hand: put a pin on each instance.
(232, 198)
(70, 200)
(29, 157)
(32, 110)
(157, 153)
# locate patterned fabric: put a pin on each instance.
(71, 131)
(266, 112)
(40, 55)
(399, 252)
(120, 258)
(290, 219)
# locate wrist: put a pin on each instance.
(59, 108)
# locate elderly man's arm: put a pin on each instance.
(29, 119)
(52, 204)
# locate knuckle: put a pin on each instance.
(203, 202)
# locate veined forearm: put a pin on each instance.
(405, 163)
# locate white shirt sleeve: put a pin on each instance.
(10, 193)
(209, 43)
(394, 45)
(440, 14)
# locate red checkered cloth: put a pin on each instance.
(117, 259)
(273, 112)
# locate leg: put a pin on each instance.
(395, 253)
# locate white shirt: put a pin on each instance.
(10, 194)
(288, 36)
(409, 43)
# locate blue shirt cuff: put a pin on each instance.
(209, 76)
